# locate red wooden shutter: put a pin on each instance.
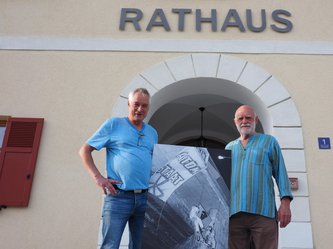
(18, 159)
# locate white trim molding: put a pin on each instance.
(165, 45)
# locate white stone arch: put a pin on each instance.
(277, 110)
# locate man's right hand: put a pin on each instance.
(107, 184)
(88, 162)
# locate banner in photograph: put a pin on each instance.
(189, 198)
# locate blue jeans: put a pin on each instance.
(116, 212)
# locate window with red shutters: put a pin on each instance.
(3, 122)
(18, 159)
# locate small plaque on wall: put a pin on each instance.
(324, 143)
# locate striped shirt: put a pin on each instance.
(252, 187)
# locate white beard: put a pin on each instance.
(247, 130)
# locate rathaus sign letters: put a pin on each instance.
(277, 20)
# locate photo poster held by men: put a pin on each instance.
(189, 198)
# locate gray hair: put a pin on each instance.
(143, 91)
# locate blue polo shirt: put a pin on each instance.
(128, 151)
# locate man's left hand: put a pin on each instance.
(284, 213)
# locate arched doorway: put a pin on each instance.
(203, 115)
(222, 76)
(220, 83)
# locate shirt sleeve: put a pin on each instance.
(229, 146)
(280, 172)
(101, 137)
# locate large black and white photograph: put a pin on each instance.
(189, 198)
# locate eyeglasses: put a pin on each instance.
(139, 138)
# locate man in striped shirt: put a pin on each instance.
(256, 158)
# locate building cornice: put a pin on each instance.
(166, 45)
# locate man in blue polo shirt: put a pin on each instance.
(129, 146)
(256, 158)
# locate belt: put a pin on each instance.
(135, 191)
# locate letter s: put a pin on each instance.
(276, 17)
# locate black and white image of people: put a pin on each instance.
(189, 199)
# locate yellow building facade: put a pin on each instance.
(73, 63)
